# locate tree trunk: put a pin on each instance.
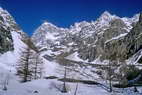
(75, 93)
(64, 85)
(110, 84)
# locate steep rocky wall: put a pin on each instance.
(6, 41)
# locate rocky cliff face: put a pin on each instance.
(127, 46)
(6, 41)
(110, 32)
(133, 40)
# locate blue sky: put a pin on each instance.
(29, 14)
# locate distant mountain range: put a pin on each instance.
(109, 37)
(92, 40)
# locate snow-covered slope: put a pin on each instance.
(9, 58)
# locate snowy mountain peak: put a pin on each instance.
(4, 12)
(46, 27)
(80, 24)
(105, 18)
(130, 21)
(46, 34)
(48, 24)
(8, 20)
(106, 14)
(135, 18)
(1, 8)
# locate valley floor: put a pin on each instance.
(50, 86)
(53, 87)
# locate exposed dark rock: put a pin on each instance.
(126, 46)
(6, 41)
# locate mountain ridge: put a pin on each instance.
(85, 35)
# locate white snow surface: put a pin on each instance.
(50, 68)
(49, 87)
(74, 57)
(135, 58)
(117, 37)
(11, 57)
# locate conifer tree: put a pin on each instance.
(24, 69)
